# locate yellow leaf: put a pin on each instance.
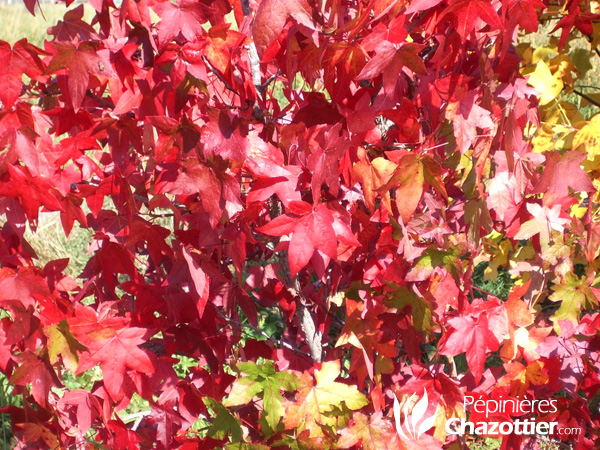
(545, 83)
(499, 258)
(543, 54)
(588, 140)
(317, 399)
(372, 176)
(563, 113)
(562, 67)
(552, 137)
(62, 342)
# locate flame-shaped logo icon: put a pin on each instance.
(415, 424)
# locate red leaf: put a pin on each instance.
(309, 233)
(21, 59)
(474, 336)
(35, 372)
(324, 160)
(561, 173)
(25, 285)
(187, 17)
(80, 61)
(390, 59)
(86, 405)
(472, 15)
(271, 17)
(115, 353)
(200, 281)
(523, 12)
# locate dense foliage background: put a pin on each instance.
(297, 211)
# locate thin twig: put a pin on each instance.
(218, 75)
(271, 78)
(589, 99)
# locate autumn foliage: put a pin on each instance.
(295, 195)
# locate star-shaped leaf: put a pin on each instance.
(80, 61)
(115, 353)
(575, 295)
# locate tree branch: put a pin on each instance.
(255, 69)
(218, 75)
(588, 98)
(307, 323)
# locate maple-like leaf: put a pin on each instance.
(32, 191)
(73, 28)
(466, 117)
(561, 173)
(81, 61)
(526, 341)
(61, 342)
(575, 295)
(266, 382)
(408, 181)
(474, 336)
(36, 372)
(224, 423)
(373, 175)
(324, 161)
(520, 377)
(315, 398)
(471, 15)
(548, 85)
(389, 60)
(421, 309)
(318, 230)
(185, 16)
(116, 351)
(342, 63)
(373, 433)
(544, 221)
(222, 41)
(524, 13)
(220, 191)
(21, 60)
(87, 407)
(363, 331)
(273, 179)
(136, 11)
(199, 280)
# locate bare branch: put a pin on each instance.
(218, 75)
(587, 97)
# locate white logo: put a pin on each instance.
(414, 424)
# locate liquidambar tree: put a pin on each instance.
(292, 197)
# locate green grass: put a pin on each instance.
(50, 243)
(16, 22)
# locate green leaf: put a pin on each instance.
(575, 295)
(242, 392)
(224, 423)
(62, 342)
(421, 308)
(263, 380)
